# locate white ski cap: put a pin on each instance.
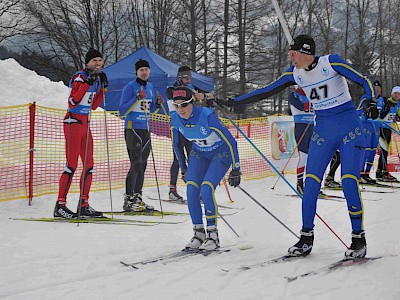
(396, 89)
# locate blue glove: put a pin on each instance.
(234, 178)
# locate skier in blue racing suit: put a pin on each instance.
(214, 150)
(338, 126)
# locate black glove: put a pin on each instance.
(92, 77)
(230, 102)
(234, 178)
(388, 105)
(370, 110)
(104, 80)
(184, 175)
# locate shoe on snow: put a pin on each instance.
(137, 199)
(386, 177)
(174, 196)
(304, 246)
(330, 183)
(198, 237)
(90, 212)
(130, 205)
(62, 211)
(212, 241)
(358, 248)
(365, 179)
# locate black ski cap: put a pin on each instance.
(304, 44)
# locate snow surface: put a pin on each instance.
(19, 85)
(64, 261)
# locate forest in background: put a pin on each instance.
(239, 43)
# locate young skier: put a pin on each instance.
(214, 150)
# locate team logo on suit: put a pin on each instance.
(324, 71)
(180, 130)
(203, 130)
(300, 79)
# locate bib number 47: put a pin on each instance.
(319, 92)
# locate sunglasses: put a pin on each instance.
(183, 104)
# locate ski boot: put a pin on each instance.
(62, 211)
(198, 237)
(331, 183)
(365, 179)
(137, 199)
(174, 196)
(358, 248)
(304, 245)
(212, 241)
(87, 211)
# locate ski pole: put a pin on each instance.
(294, 150)
(152, 154)
(264, 208)
(226, 222)
(390, 127)
(85, 159)
(227, 190)
(274, 168)
(107, 148)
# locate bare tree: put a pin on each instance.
(12, 19)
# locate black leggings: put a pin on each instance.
(182, 145)
(384, 142)
(138, 145)
(335, 162)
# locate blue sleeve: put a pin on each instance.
(295, 100)
(175, 142)
(128, 99)
(283, 81)
(348, 71)
(223, 132)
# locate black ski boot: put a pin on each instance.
(62, 211)
(358, 248)
(304, 245)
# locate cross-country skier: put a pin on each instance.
(371, 129)
(214, 150)
(390, 110)
(338, 126)
(138, 100)
(183, 78)
(86, 93)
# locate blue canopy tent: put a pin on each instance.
(163, 73)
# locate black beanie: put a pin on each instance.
(92, 53)
(182, 93)
(141, 63)
(184, 71)
(377, 83)
(304, 44)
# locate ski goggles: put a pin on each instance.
(183, 104)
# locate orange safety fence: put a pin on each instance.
(32, 155)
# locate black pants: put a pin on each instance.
(384, 142)
(335, 163)
(182, 145)
(138, 145)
